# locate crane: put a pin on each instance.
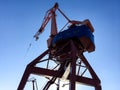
(65, 49)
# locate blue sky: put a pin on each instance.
(19, 21)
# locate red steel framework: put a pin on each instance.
(69, 54)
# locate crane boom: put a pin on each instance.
(46, 19)
(50, 14)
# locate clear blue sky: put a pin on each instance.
(20, 19)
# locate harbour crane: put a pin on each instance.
(66, 49)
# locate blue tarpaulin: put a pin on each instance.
(73, 32)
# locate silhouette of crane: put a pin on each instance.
(65, 49)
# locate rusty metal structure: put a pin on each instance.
(65, 49)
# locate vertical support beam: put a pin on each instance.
(72, 75)
(73, 66)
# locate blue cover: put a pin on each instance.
(73, 32)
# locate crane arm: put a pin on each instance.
(46, 20)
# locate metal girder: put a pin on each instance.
(35, 61)
(43, 71)
(72, 77)
(74, 51)
(97, 82)
(28, 70)
(86, 81)
(79, 79)
(84, 60)
(24, 79)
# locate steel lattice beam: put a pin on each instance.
(72, 77)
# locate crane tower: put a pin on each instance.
(65, 49)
